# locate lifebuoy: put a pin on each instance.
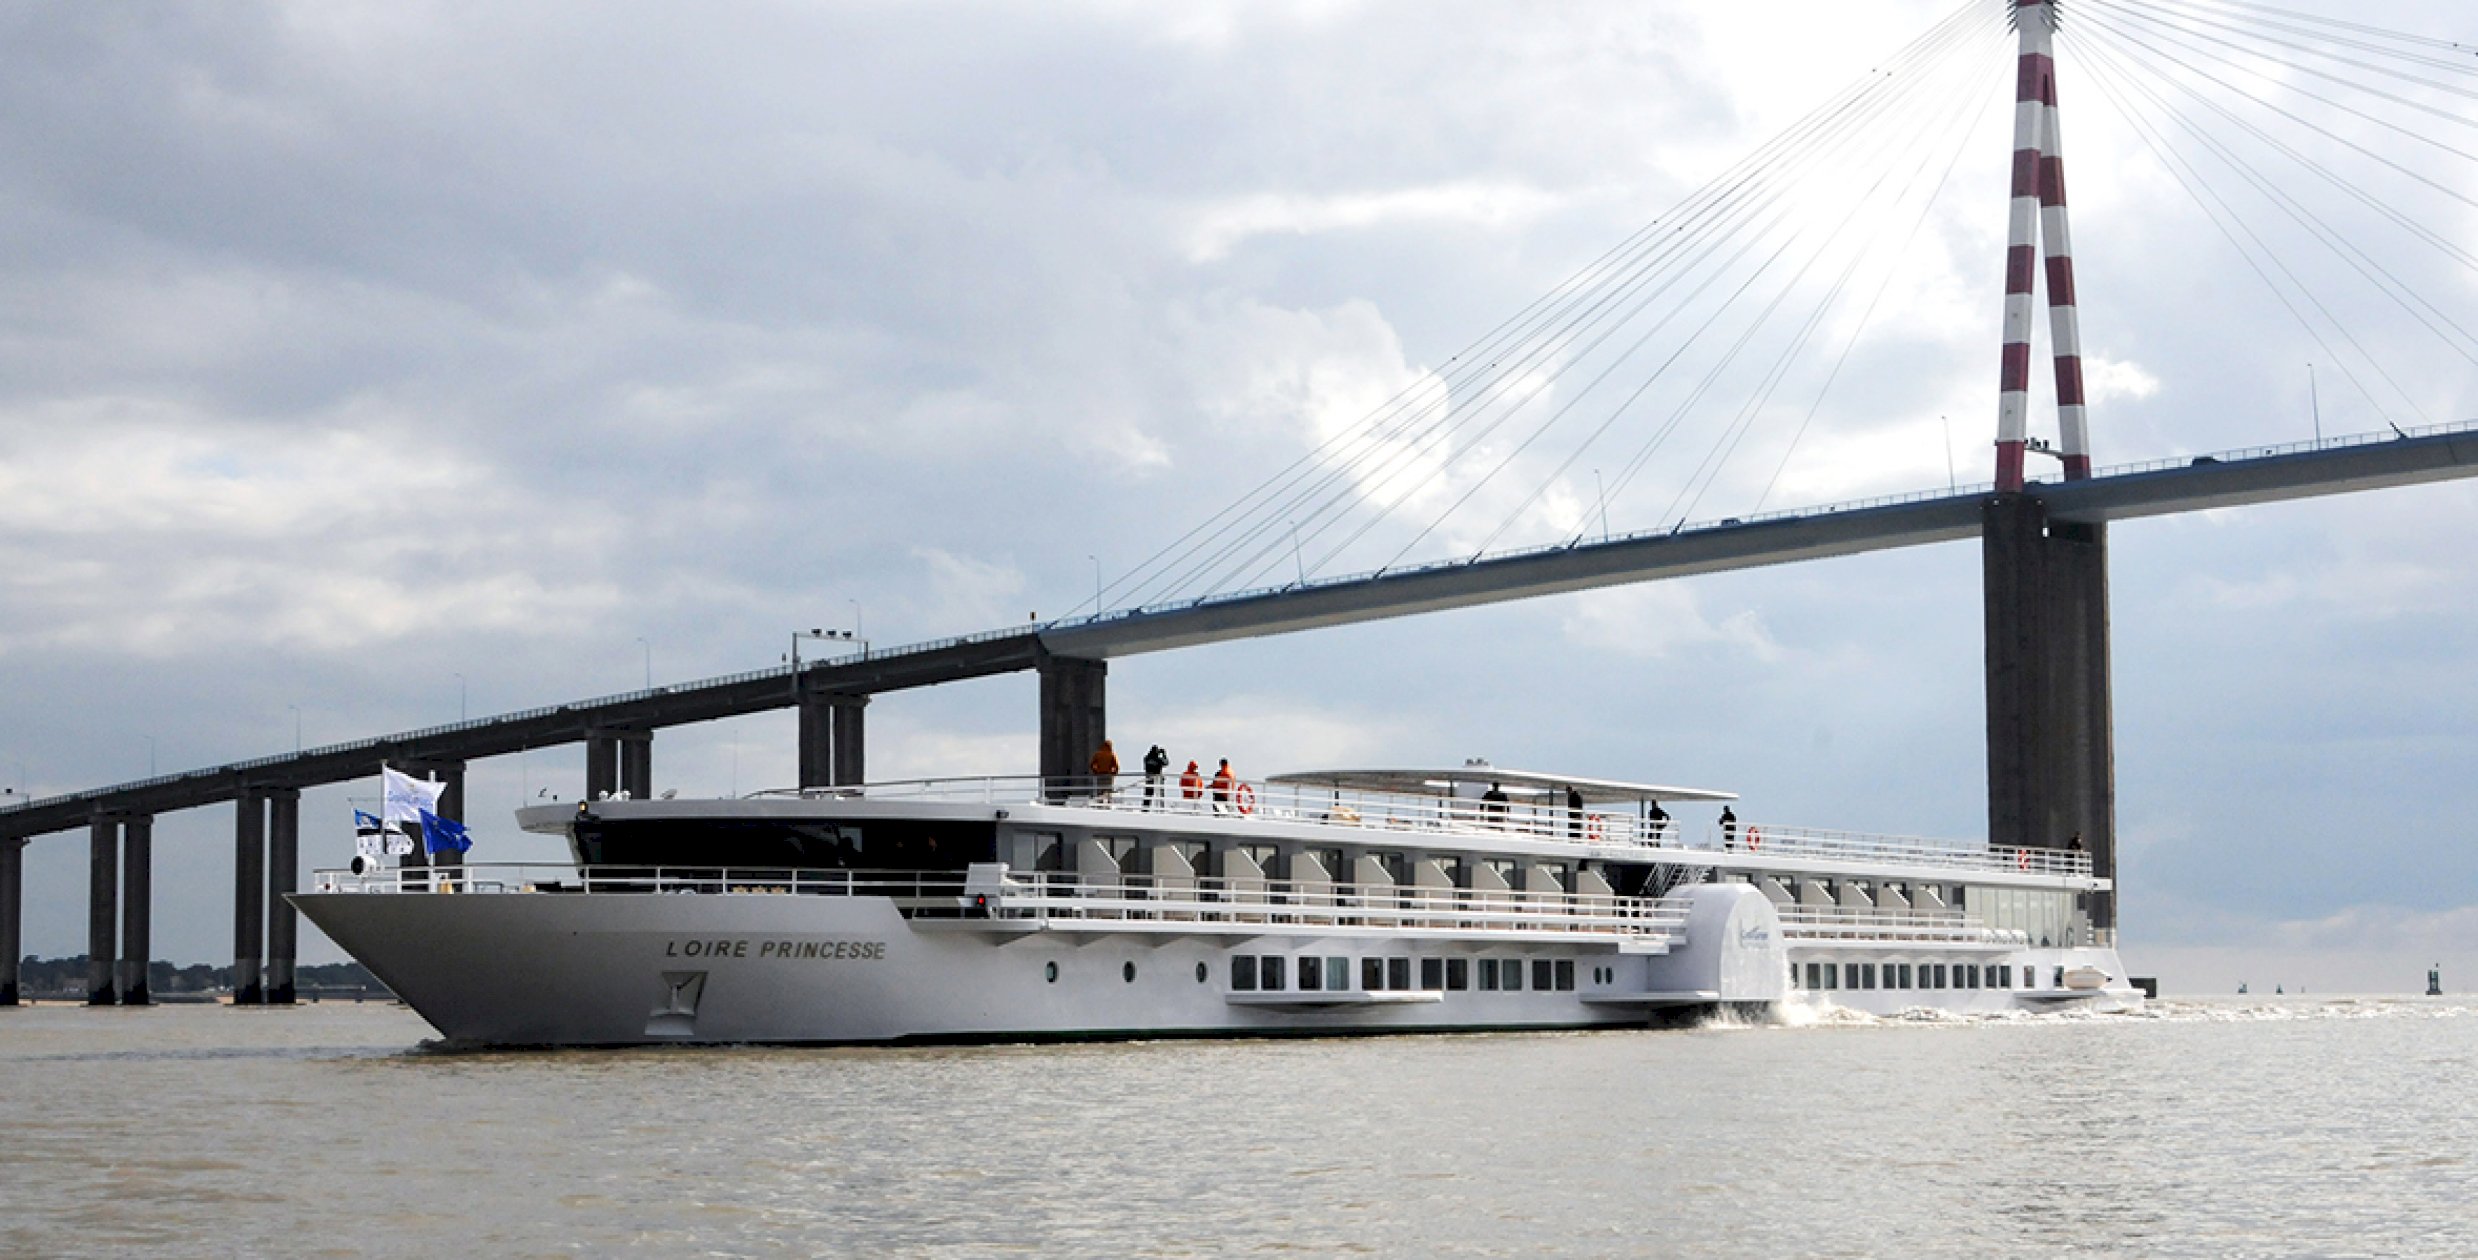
(2022, 859)
(1245, 796)
(1591, 828)
(1755, 838)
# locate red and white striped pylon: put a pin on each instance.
(2038, 222)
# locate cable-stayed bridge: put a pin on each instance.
(1696, 293)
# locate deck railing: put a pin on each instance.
(1621, 833)
(1161, 901)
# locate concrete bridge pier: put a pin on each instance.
(2051, 759)
(832, 750)
(283, 866)
(619, 760)
(1073, 719)
(137, 908)
(12, 911)
(103, 911)
(249, 889)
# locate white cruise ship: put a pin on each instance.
(1319, 904)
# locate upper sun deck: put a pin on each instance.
(1429, 809)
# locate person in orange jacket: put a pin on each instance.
(1223, 782)
(1105, 769)
(1191, 784)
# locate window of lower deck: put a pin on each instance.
(1243, 973)
(1511, 974)
(1907, 979)
(1488, 975)
(1432, 973)
(1457, 974)
(1311, 974)
(1273, 967)
(1566, 975)
(1372, 974)
(1867, 975)
(1398, 973)
(1849, 975)
(1337, 974)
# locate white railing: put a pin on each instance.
(1042, 895)
(1624, 833)
(554, 878)
(1851, 923)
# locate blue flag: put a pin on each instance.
(443, 835)
(366, 824)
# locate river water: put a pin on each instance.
(2296, 1128)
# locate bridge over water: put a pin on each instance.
(1071, 656)
(2043, 543)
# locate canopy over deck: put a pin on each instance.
(1479, 775)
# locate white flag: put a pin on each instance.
(406, 797)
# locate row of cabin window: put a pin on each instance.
(1902, 975)
(1274, 973)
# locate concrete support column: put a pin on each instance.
(137, 908)
(817, 741)
(283, 861)
(249, 889)
(2014, 572)
(849, 767)
(12, 911)
(636, 765)
(2051, 759)
(602, 773)
(1072, 720)
(103, 913)
(2084, 687)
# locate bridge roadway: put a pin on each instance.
(2227, 479)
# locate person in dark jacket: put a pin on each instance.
(1574, 812)
(1156, 761)
(1729, 828)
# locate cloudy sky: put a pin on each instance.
(362, 365)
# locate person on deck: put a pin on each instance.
(1223, 782)
(1105, 767)
(1156, 760)
(1574, 812)
(1192, 783)
(1493, 805)
(1655, 820)
(1729, 828)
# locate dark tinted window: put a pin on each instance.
(1432, 973)
(908, 844)
(1458, 973)
(1243, 973)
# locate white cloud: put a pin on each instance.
(1218, 229)
(1659, 620)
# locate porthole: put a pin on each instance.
(1127, 972)
(1201, 973)
(1049, 972)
